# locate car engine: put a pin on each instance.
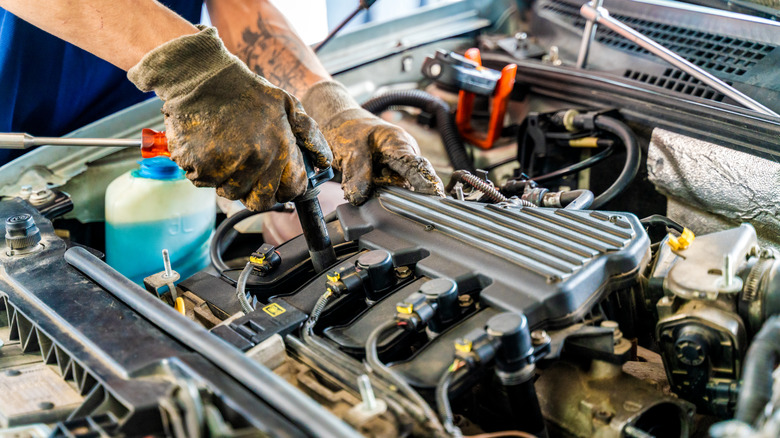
(604, 263)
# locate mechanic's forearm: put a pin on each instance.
(119, 31)
(260, 35)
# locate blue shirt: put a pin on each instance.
(49, 87)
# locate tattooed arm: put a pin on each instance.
(260, 36)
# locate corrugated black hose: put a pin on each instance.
(445, 123)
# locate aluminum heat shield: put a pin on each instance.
(551, 264)
(711, 188)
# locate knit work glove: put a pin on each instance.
(367, 150)
(228, 127)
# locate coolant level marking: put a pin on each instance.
(274, 309)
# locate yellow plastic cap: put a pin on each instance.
(179, 305)
(404, 308)
(683, 242)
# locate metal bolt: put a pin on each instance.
(617, 335)
(521, 40)
(539, 337)
(407, 64)
(434, 70)
(167, 263)
(465, 301)
(429, 228)
(459, 192)
(552, 56)
(25, 192)
(366, 393)
(403, 272)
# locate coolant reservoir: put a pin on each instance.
(154, 208)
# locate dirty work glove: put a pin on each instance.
(367, 150)
(228, 127)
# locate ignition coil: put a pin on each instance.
(507, 339)
(373, 274)
(434, 305)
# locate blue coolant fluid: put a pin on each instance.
(154, 208)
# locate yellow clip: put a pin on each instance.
(682, 242)
(179, 305)
(333, 276)
(584, 142)
(257, 260)
(463, 345)
(404, 308)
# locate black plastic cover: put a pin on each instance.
(550, 264)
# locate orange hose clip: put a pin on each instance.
(497, 112)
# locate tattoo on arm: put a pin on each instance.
(279, 56)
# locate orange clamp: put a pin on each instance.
(497, 112)
(154, 144)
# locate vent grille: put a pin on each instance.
(21, 329)
(676, 80)
(717, 53)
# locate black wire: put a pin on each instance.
(372, 357)
(225, 234)
(443, 402)
(499, 164)
(221, 240)
(658, 219)
(574, 168)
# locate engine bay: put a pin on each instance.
(604, 263)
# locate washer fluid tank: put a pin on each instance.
(153, 208)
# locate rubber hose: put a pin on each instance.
(760, 360)
(445, 123)
(633, 158)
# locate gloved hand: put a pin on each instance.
(367, 150)
(228, 127)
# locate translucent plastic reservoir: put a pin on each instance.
(154, 208)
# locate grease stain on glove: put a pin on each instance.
(368, 151)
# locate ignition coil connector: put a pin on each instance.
(265, 260)
(434, 305)
(373, 274)
(477, 347)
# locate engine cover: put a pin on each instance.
(551, 264)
